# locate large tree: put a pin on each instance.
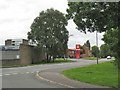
(96, 16)
(111, 39)
(49, 32)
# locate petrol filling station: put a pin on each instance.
(77, 51)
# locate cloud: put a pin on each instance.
(16, 17)
(80, 37)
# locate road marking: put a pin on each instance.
(32, 72)
(7, 74)
(39, 77)
(14, 73)
(27, 72)
(0, 75)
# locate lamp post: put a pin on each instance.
(97, 45)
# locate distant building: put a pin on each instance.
(84, 52)
(19, 52)
(71, 53)
(15, 43)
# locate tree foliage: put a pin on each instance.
(88, 44)
(97, 16)
(49, 32)
(94, 16)
(105, 51)
(95, 51)
(111, 38)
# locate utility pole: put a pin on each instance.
(97, 45)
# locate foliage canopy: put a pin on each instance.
(49, 32)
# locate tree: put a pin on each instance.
(95, 51)
(49, 32)
(96, 16)
(105, 50)
(111, 39)
(88, 44)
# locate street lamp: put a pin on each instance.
(97, 45)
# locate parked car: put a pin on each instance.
(108, 57)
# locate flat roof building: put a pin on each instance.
(15, 43)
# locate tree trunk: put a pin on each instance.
(53, 58)
(48, 58)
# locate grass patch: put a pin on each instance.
(105, 74)
(56, 61)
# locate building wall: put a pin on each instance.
(30, 54)
(71, 53)
(38, 55)
(86, 52)
(25, 42)
(10, 62)
(25, 54)
(10, 57)
(0, 57)
(8, 42)
(10, 54)
(15, 42)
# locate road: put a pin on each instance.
(26, 77)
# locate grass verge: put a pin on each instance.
(105, 74)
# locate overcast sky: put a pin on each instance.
(16, 17)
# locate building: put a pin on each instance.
(71, 53)
(15, 43)
(18, 51)
(84, 52)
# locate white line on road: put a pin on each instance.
(39, 77)
(7, 74)
(32, 72)
(27, 72)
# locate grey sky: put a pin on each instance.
(16, 16)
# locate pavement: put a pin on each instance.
(44, 76)
(54, 75)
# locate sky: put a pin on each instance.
(16, 17)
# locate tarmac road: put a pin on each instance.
(38, 76)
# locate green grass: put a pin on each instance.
(60, 60)
(105, 74)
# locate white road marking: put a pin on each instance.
(39, 77)
(27, 72)
(7, 74)
(32, 72)
(0, 75)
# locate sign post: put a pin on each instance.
(77, 51)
